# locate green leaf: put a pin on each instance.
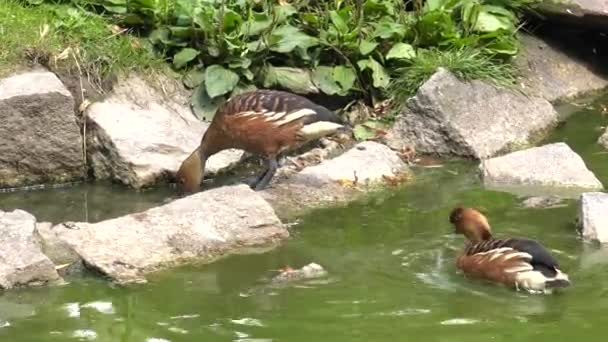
(202, 105)
(386, 28)
(219, 81)
(258, 23)
(367, 46)
(184, 56)
(241, 88)
(232, 21)
(380, 77)
(323, 77)
(295, 79)
(193, 78)
(401, 51)
(366, 130)
(345, 77)
(286, 38)
(338, 22)
(283, 12)
(488, 22)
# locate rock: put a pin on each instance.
(583, 13)
(552, 72)
(337, 180)
(40, 139)
(469, 119)
(53, 247)
(309, 271)
(139, 137)
(200, 227)
(593, 216)
(21, 261)
(550, 167)
(603, 140)
(543, 202)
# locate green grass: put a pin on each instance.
(465, 63)
(95, 48)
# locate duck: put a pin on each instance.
(519, 263)
(263, 122)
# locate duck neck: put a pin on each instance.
(478, 235)
(211, 143)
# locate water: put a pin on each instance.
(391, 272)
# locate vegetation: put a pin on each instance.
(360, 48)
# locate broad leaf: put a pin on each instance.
(258, 23)
(184, 56)
(367, 46)
(283, 12)
(219, 81)
(232, 21)
(193, 78)
(240, 89)
(286, 38)
(345, 77)
(389, 29)
(295, 79)
(339, 22)
(380, 77)
(323, 76)
(401, 51)
(367, 130)
(488, 22)
(202, 105)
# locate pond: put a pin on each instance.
(391, 268)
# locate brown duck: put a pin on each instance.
(515, 262)
(263, 122)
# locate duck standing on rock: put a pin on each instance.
(262, 122)
(515, 262)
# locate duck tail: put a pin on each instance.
(560, 280)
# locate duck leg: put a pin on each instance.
(273, 165)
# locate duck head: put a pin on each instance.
(190, 173)
(471, 223)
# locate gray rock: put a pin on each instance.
(138, 136)
(603, 140)
(552, 72)
(549, 167)
(53, 247)
(593, 216)
(469, 119)
(543, 202)
(40, 140)
(21, 261)
(197, 228)
(363, 167)
(582, 13)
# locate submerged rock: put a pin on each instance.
(21, 261)
(553, 73)
(40, 140)
(138, 136)
(550, 166)
(309, 271)
(200, 227)
(543, 202)
(593, 216)
(469, 119)
(603, 140)
(337, 180)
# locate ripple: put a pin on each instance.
(185, 316)
(404, 312)
(156, 339)
(84, 334)
(253, 322)
(73, 309)
(4, 324)
(459, 321)
(178, 330)
(102, 307)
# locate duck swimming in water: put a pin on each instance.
(515, 262)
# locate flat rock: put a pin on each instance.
(469, 119)
(139, 136)
(553, 166)
(197, 228)
(40, 140)
(21, 261)
(337, 180)
(603, 139)
(593, 216)
(583, 13)
(553, 71)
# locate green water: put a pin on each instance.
(390, 262)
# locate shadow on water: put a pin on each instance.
(390, 259)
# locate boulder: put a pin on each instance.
(197, 228)
(550, 167)
(40, 140)
(581, 13)
(474, 119)
(592, 218)
(21, 261)
(551, 69)
(603, 140)
(138, 136)
(338, 180)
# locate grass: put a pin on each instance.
(62, 36)
(465, 63)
